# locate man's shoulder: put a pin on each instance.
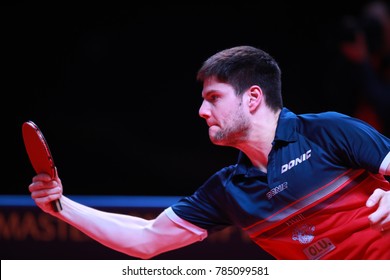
(325, 119)
(325, 116)
(312, 123)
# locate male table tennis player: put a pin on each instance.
(308, 186)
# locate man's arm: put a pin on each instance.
(131, 235)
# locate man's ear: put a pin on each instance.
(255, 97)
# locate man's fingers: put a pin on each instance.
(380, 218)
(42, 177)
(52, 192)
(375, 197)
(41, 188)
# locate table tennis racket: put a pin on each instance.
(39, 154)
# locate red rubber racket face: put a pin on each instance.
(37, 149)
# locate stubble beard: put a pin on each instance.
(234, 132)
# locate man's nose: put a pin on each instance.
(204, 112)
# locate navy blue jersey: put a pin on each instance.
(316, 160)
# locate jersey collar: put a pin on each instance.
(285, 133)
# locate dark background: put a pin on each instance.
(113, 86)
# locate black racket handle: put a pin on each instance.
(56, 204)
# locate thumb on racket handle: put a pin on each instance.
(56, 204)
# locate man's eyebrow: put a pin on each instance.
(210, 92)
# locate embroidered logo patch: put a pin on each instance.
(304, 233)
(319, 249)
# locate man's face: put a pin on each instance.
(224, 113)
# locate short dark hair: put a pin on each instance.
(242, 67)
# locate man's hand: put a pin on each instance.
(44, 190)
(380, 219)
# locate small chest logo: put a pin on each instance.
(304, 233)
(277, 190)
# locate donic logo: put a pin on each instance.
(296, 161)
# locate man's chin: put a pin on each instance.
(216, 141)
(215, 136)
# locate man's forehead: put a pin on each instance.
(212, 85)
